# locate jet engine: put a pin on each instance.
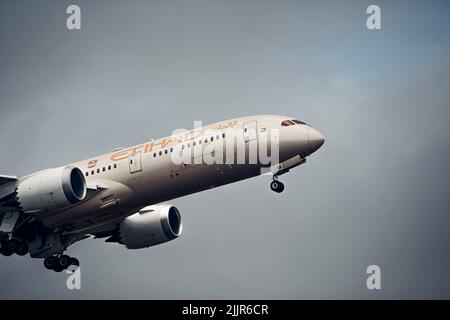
(150, 226)
(50, 189)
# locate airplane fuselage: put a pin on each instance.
(145, 174)
(111, 195)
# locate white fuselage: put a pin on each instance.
(132, 178)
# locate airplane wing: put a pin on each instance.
(6, 188)
(6, 179)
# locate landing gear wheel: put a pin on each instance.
(277, 186)
(22, 248)
(50, 262)
(74, 262)
(58, 268)
(4, 249)
(60, 263)
(12, 245)
(64, 261)
(6, 252)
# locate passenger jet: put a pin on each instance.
(120, 196)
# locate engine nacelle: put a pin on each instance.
(52, 188)
(150, 226)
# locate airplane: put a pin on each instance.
(121, 196)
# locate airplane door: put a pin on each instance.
(135, 163)
(275, 143)
(249, 131)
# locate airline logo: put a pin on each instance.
(208, 146)
(92, 164)
(173, 140)
(148, 147)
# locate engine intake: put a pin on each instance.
(150, 226)
(52, 188)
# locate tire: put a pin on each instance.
(74, 262)
(58, 268)
(2, 247)
(22, 249)
(5, 251)
(277, 186)
(274, 185)
(12, 245)
(49, 263)
(64, 261)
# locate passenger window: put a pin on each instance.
(171, 149)
(92, 172)
(104, 169)
(87, 174)
(223, 135)
(115, 166)
(109, 167)
(154, 154)
(165, 151)
(160, 153)
(98, 170)
(212, 139)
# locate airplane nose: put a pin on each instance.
(316, 139)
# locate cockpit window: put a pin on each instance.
(287, 123)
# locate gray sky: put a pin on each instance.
(375, 193)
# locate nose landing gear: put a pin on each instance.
(276, 185)
(59, 263)
(282, 168)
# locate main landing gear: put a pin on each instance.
(276, 185)
(9, 247)
(59, 263)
